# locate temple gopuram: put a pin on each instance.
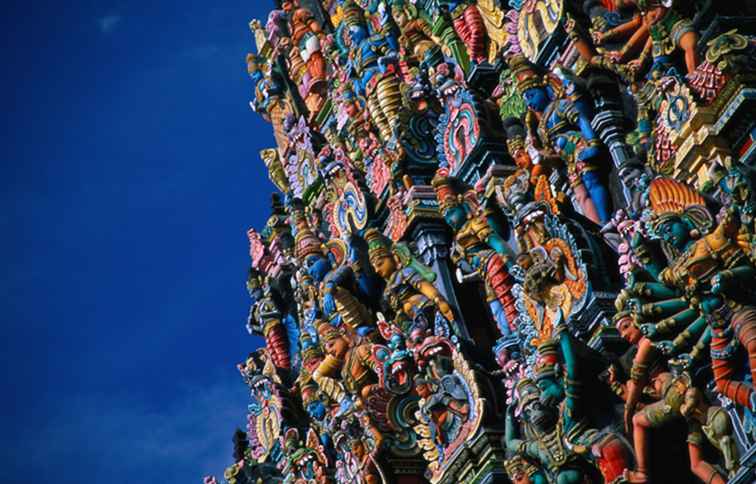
(512, 241)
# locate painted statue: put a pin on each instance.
(560, 121)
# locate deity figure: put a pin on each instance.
(417, 45)
(710, 264)
(563, 442)
(520, 149)
(372, 60)
(348, 367)
(479, 245)
(678, 398)
(306, 34)
(272, 314)
(409, 291)
(560, 121)
(266, 318)
(659, 28)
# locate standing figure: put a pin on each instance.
(409, 290)
(306, 34)
(480, 246)
(560, 121)
(372, 61)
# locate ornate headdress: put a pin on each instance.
(450, 192)
(668, 198)
(446, 192)
(515, 135)
(525, 74)
(378, 246)
(622, 316)
(327, 333)
(351, 14)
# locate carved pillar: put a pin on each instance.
(432, 239)
(609, 122)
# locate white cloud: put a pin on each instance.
(108, 23)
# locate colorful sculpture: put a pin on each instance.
(500, 249)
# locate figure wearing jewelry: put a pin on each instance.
(479, 246)
(559, 120)
(710, 265)
(348, 372)
(416, 41)
(563, 442)
(409, 292)
(658, 28)
(372, 60)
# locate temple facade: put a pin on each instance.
(512, 241)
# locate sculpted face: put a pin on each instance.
(455, 216)
(536, 99)
(522, 158)
(675, 232)
(628, 331)
(385, 266)
(540, 416)
(337, 347)
(357, 34)
(318, 267)
(316, 410)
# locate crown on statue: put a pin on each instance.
(327, 333)
(378, 246)
(525, 74)
(351, 14)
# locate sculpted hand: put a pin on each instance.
(684, 361)
(649, 330)
(329, 304)
(720, 282)
(665, 347)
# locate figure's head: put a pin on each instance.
(335, 345)
(518, 470)
(357, 33)
(541, 416)
(516, 135)
(254, 285)
(674, 230)
(677, 213)
(399, 13)
(380, 255)
(628, 330)
(530, 83)
(536, 98)
(316, 409)
(531, 408)
(548, 374)
(317, 266)
(252, 65)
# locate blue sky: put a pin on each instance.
(130, 174)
